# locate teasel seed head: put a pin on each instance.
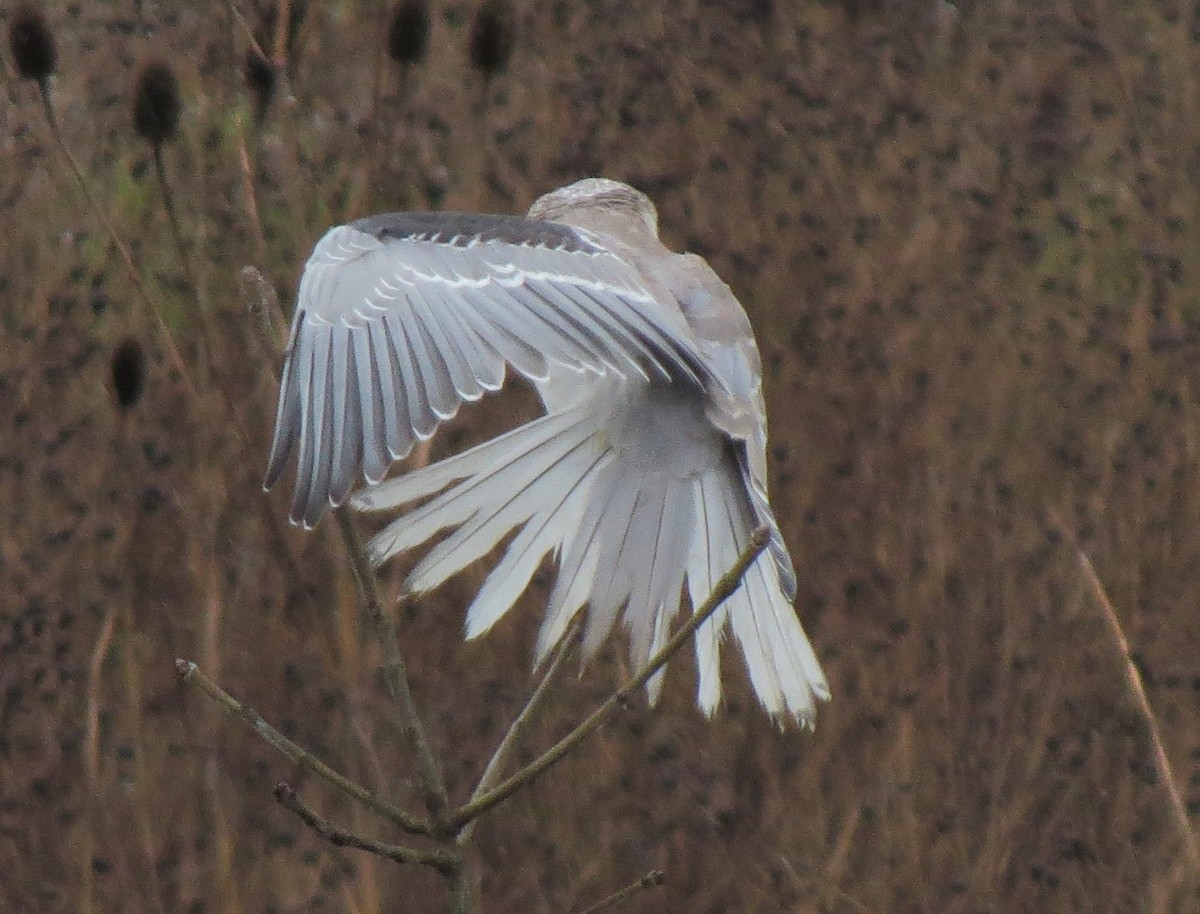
(32, 44)
(156, 103)
(408, 34)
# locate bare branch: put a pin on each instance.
(651, 880)
(723, 590)
(444, 862)
(395, 670)
(491, 774)
(190, 674)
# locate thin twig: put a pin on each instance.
(262, 302)
(135, 275)
(91, 751)
(721, 592)
(1133, 680)
(394, 669)
(651, 880)
(208, 333)
(190, 673)
(279, 56)
(160, 174)
(442, 861)
(248, 33)
(372, 125)
(495, 765)
(250, 195)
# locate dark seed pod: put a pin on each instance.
(408, 34)
(156, 103)
(128, 370)
(259, 72)
(260, 80)
(32, 44)
(493, 34)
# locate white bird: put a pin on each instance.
(647, 469)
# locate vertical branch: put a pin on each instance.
(491, 774)
(466, 888)
(160, 174)
(395, 669)
(251, 198)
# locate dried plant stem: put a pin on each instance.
(651, 880)
(282, 23)
(135, 275)
(247, 32)
(91, 746)
(444, 862)
(189, 268)
(465, 888)
(1133, 680)
(131, 670)
(251, 199)
(721, 592)
(395, 670)
(373, 126)
(191, 674)
(491, 774)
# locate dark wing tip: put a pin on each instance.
(464, 229)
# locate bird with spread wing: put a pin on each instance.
(647, 472)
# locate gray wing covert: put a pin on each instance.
(402, 318)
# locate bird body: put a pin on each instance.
(647, 472)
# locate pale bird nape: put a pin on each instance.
(645, 476)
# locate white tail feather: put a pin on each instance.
(497, 472)
(631, 519)
(545, 532)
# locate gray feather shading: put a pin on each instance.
(403, 318)
(644, 479)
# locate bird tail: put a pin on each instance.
(618, 545)
(538, 476)
(784, 670)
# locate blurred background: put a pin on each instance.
(967, 236)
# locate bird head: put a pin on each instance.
(593, 201)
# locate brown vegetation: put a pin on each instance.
(969, 239)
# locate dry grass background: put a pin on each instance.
(968, 238)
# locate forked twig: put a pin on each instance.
(720, 593)
(491, 774)
(395, 669)
(190, 673)
(444, 862)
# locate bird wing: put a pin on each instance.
(401, 318)
(736, 405)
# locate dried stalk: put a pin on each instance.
(442, 861)
(651, 880)
(1133, 680)
(190, 673)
